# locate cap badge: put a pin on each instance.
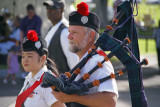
(38, 44)
(84, 19)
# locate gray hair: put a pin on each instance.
(88, 30)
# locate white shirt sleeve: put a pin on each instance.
(108, 85)
(49, 97)
(72, 58)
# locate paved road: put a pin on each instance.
(151, 82)
(8, 93)
(151, 86)
(151, 76)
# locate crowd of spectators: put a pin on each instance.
(12, 30)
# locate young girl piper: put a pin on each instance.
(35, 61)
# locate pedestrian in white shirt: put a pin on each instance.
(56, 37)
(35, 61)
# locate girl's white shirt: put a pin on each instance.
(41, 97)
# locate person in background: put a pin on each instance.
(156, 36)
(15, 35)
(56, 37)
(30, 22)
(83, 33)
(13, 65)
(4, 46)
(13, 38)
(8, 17)
(35, 61)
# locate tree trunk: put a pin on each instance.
(67, 9)
(101, 11)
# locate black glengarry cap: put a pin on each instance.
(34, 43)
(83, 17)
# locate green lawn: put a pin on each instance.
(145, 9)
(151, 46)
(3, 66)
(142, 48)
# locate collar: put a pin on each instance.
(38, 75)
(84, 55)
(64, 21)
(57, 25)
(87, 53)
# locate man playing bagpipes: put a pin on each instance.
(91, 82)
(83, 32)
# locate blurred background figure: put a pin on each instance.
(30, 22)
(7, 16)
(13, 65)
(56, 37)
(8, 38)
(156, 36)
(5, 24)
(4, 34)
(15, 35)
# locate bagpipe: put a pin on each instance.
(65, 83)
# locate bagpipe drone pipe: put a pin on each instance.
(118, 48)
(78, 87)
